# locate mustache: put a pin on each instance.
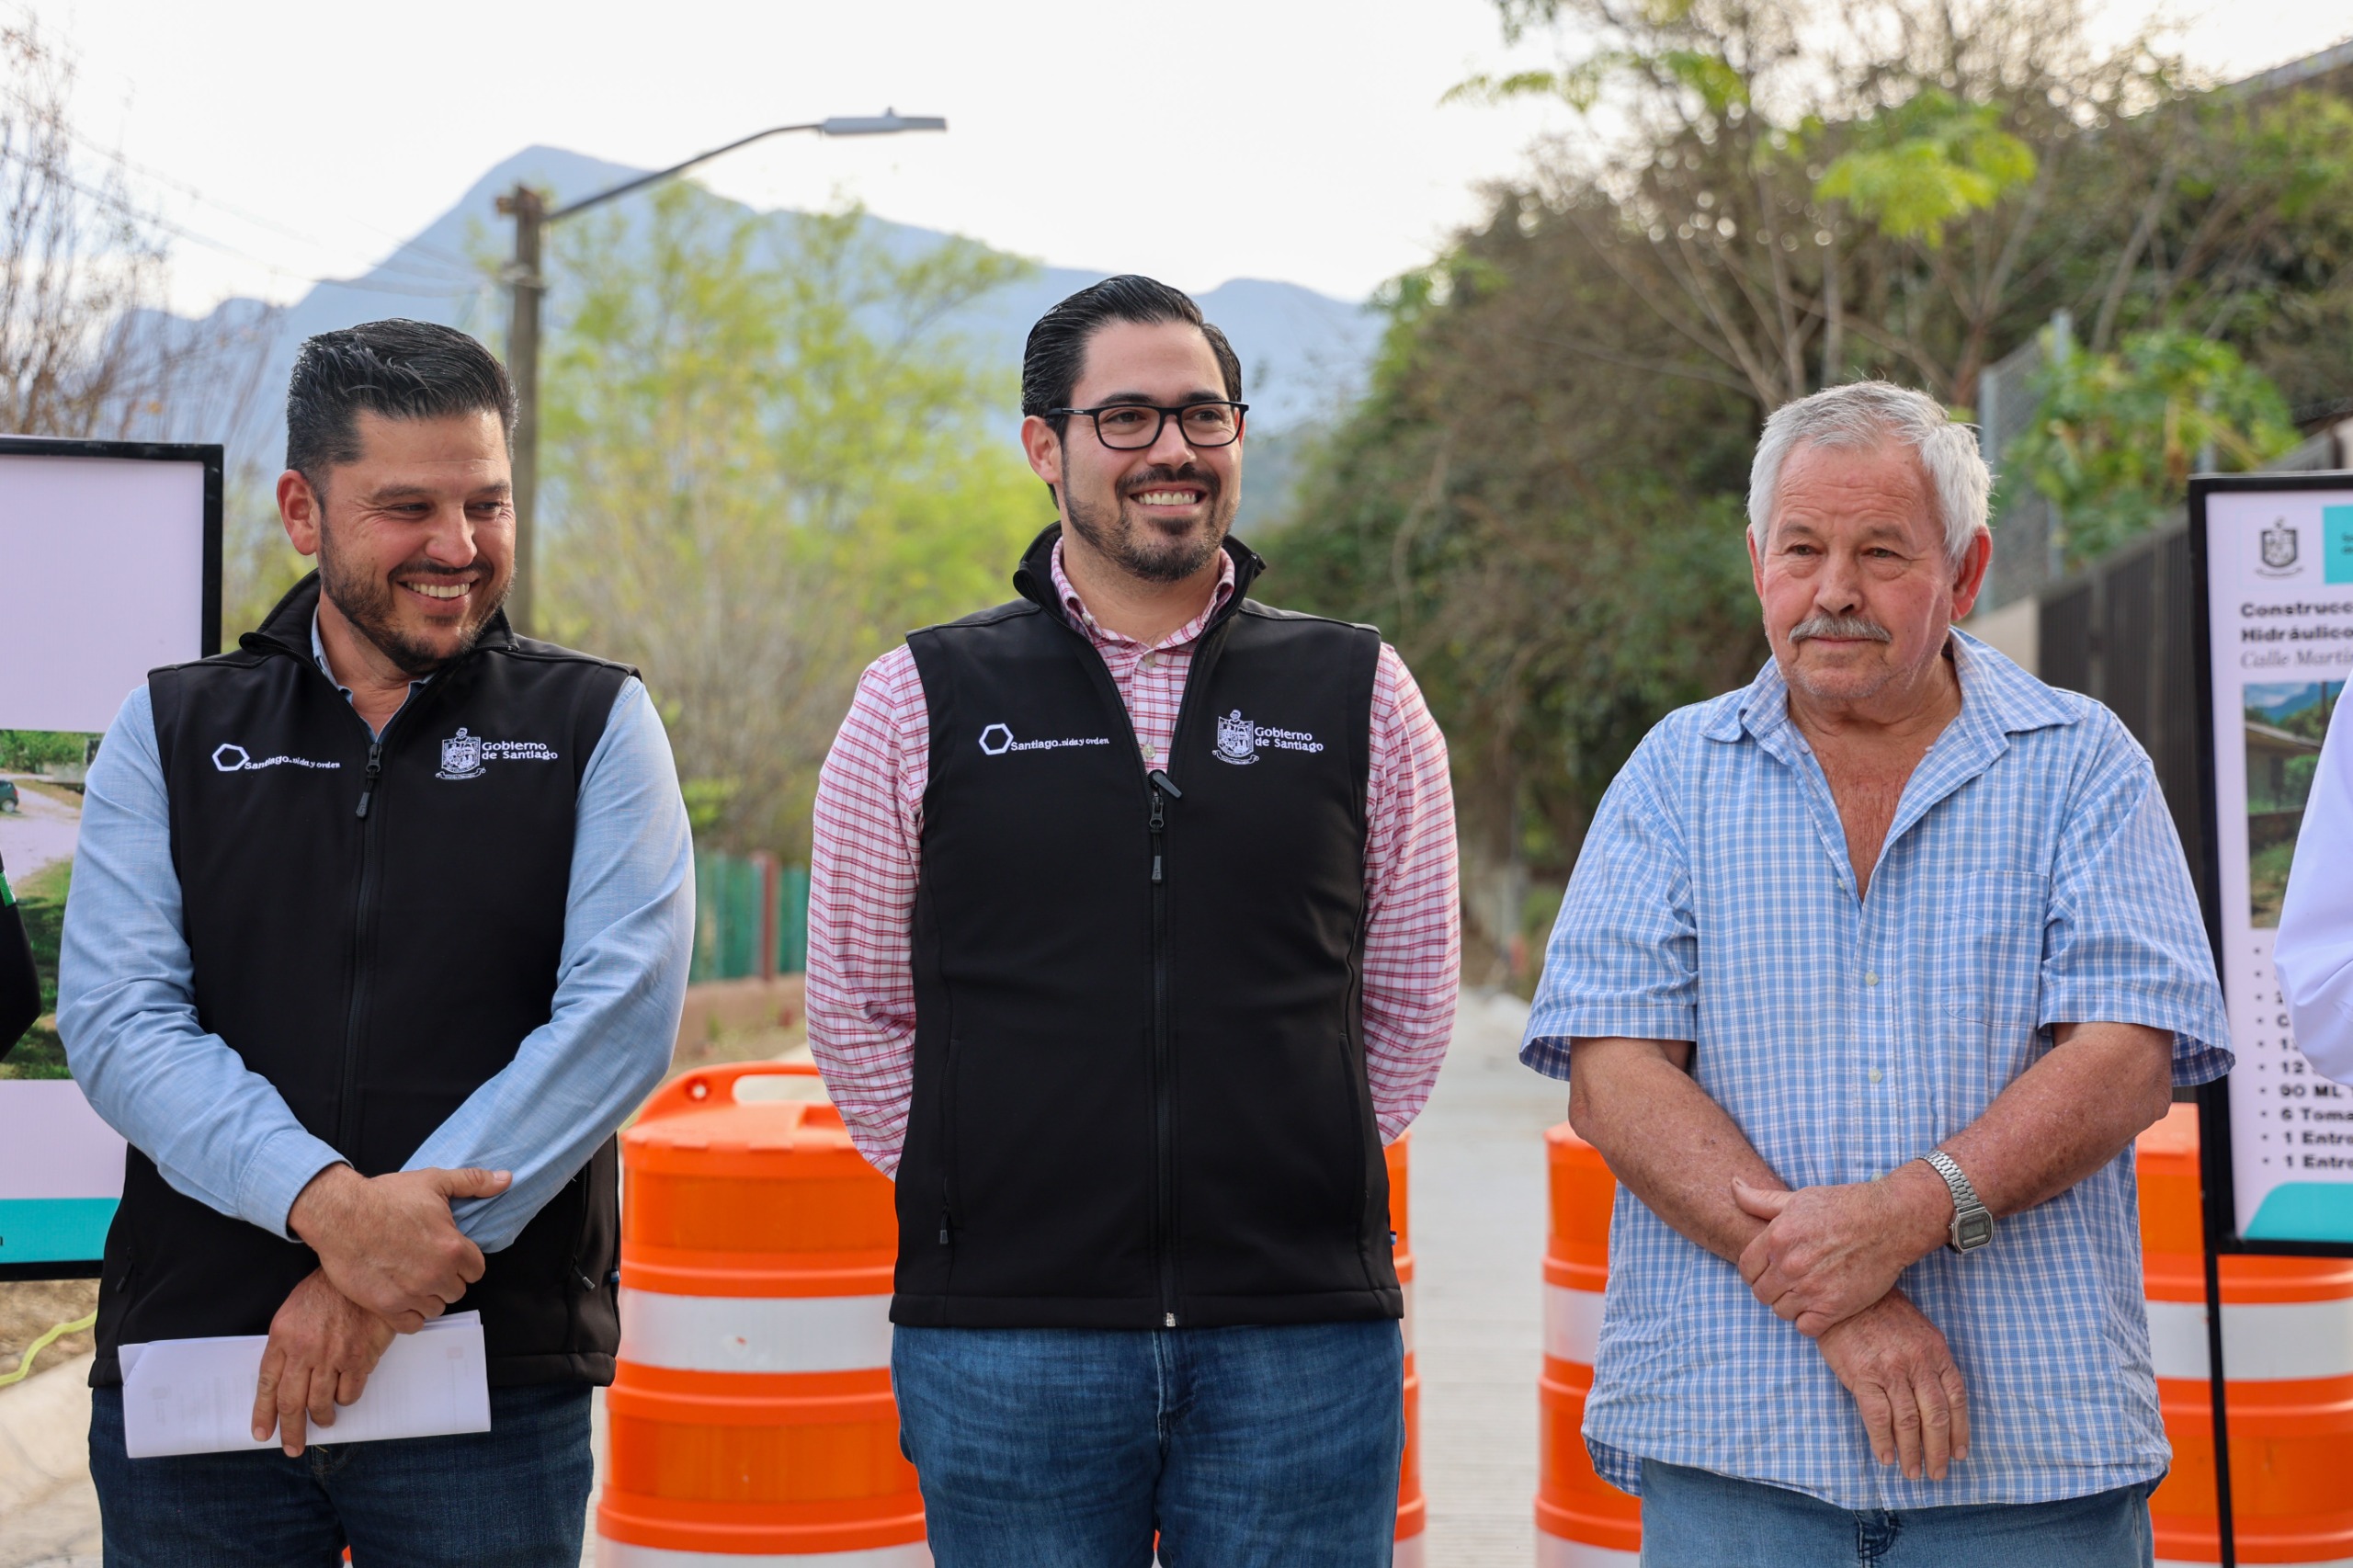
(1841, 626)
(1154, 478)
(477, 573)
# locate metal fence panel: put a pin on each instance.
(732, 916)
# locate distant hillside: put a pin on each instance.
(1302, 352)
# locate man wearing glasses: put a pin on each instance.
(1132, 937)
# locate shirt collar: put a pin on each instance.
(318, 652)
(1076, 609)
(1994, 692)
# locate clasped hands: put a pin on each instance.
(1827, 1262)
(391, 1257)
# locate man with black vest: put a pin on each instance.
(379, 929)
(1132, 937)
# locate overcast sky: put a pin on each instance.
(1199, 139)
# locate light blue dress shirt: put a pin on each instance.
(2030, 877)
(223, 1135)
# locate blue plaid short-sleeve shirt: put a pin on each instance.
(2031, 877)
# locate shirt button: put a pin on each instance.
(1146, 746)
(1149, 660)
(1877, 1075)
(1870, 977)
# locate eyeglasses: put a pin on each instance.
(1131, 426)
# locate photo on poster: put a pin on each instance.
(2286, 722)
(115, 548)
(40, 818)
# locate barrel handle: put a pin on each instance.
(708, 1085)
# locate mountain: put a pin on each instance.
(1304, 354)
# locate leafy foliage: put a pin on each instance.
(1556, 553)
(2119, 434)
(1539, 501)
(1916, 171)
(766, 457)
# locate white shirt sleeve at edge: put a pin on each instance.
(2314, 952)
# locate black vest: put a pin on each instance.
(375, 968)
(1140, 1092)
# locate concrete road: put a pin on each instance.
(1479, 1196)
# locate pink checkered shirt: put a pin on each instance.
(870, 832)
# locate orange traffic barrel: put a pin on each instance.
(1581, 1521)
(2288, 1356)
(1413, 1512)
(750, 1418)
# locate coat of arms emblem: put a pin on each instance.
(461, 756)
(2280, 546)
(1237, 739)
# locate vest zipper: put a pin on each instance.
(375, 771)
(1162, 790)
(363, 902)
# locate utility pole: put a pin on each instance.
(529, 287)
(529, 210)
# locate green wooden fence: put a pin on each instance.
(742, 902)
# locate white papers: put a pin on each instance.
(195, 1396)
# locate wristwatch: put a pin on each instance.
(1972, 1222)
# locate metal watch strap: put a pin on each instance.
(1972, 1222)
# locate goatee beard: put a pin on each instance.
(367, 603)
(1139, 550)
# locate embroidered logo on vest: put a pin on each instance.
(234, 758)
(461, 756)
(998, 739)
(1237, 739)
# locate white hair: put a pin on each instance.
(1862, 415)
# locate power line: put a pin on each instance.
(462, 277)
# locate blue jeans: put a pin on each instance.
(1068, 1447)
(515, 1496)
(1694, 1519)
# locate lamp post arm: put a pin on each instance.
(641, 181)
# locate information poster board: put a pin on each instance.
(2272, 558)
(111, 553)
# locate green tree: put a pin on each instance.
(1805, 192)
(1551, 537)
(767, 456)
(2117, 435)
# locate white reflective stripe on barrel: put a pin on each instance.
(620, 1554)
(2262, 1341)
(1557, 1551)
(1407, 1552)
(755, 1333)
(1405, 1323)
(1571, 1325)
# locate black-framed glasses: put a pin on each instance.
(1131, 426)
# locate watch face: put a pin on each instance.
(1973, 1229)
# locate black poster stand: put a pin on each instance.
(2219, 1209)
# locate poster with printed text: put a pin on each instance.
(121, 551)
(2279, 608)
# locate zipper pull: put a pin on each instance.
(1163, 789)
(1159, 780)
(375, 767)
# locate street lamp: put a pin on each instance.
(532, 215)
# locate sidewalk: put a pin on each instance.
(46, 1504)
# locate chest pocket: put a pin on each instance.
(1987, 944)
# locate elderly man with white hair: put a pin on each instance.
(1869, 975)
